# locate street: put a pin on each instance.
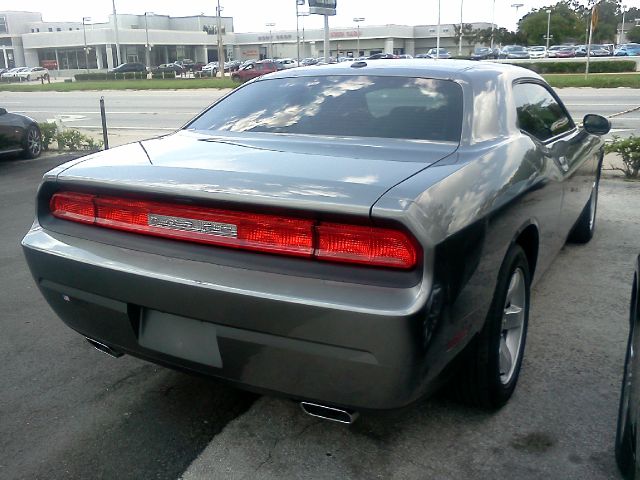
(69, 411)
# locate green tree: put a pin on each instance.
(633, 35)
(501, 36)
(609, 15)
(567, 25)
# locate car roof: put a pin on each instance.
(439, 69)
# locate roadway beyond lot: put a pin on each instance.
(150, 113)
(68, 411)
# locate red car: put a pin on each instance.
(568, 52)
(254, 70)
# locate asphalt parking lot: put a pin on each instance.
(68, 411)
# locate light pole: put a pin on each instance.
(624, 11)
(460, 39)
(270, 25)
(438, 34)
(86, 50)
(517, 7)
(358, 20)
(220, 46)
(548, 27)
(493, 22)
(298, 3)
(115, 28)
(147, 46)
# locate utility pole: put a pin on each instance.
(493, 22)
(460, 39)
(548, 27)
(438, 34)
(115, 28)
(270, 25)
(147, 47)
(592, 24)
(326, 39)
(358, 20)
(220, 46)
(624, 11)
(86, 50)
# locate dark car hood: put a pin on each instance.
(320, 173)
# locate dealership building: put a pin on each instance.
(27, 40)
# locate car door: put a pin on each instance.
(572, 154)
(11, 132)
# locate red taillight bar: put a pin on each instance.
(333, 242)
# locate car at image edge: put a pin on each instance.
(19, 134)
(349, 236)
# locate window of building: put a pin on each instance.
(51, 29)
(432, 30)
(3, 24)
(445, 29)
(58, 29)
(33, 30)
(70, 29)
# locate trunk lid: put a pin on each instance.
(297, 172)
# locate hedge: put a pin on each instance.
(84, 77)
(163, 75)
(579, 67)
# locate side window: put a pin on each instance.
(539, 114)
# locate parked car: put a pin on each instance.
(441, 53)
(187, 64)
(254, 70)
(404, 56)
(484, 53)
(12, 73)
(565, 52)
(19, 134)
(381, 56)
(309, 61)
(514, 52)
(33, 73)
(285, 63)
(551, 52)
(232, 66)
(169, 67)
(210, 69)
(538, 51)
(337, 235)
(129, 67)
(628, 50)
(596, 51)
(627, 436)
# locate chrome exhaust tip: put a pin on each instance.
(329, 413)
(104, 348)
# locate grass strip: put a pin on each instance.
(158, 84)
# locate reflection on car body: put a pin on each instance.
(337, 234)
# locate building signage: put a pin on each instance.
(268, 38)
(322, 7)
(343, 34)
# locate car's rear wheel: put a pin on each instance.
(586, 225)
(626, 434)
(492, 361)
(33, 142)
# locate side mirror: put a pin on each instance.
(3, 111)
(596, 124)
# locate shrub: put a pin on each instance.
(75, 140)
(579, 67)
(163, 75)
(629, 150)
(87, 77)
(48, 130)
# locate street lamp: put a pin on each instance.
(548, 27)
(624, 11)
(298, 3)
(270, 25)
(438, 34)
(460, 39)
(358, 20)
(147, 47)
(493, 22)
(86, 50)
(220, 46)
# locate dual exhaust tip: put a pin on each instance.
(332, 414)
(324, 412)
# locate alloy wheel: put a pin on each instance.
(512, 331)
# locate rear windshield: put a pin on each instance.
(358, 106)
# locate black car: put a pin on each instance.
(19, 134)
(169, 67)
(483, 53)
(627, 434)
(382, 56)
(129, 67)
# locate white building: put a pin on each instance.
(26, 40)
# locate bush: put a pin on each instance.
(48, 130)
(629, 150)
(74, 140)
(579, 67)
(163, 75)
(87, 77)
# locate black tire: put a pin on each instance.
(28, 78)
(625, 432)
(585, 227)
(480, 381)
(32, 142)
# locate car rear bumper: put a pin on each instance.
(363, 346)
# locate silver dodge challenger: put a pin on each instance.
(351, 236)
